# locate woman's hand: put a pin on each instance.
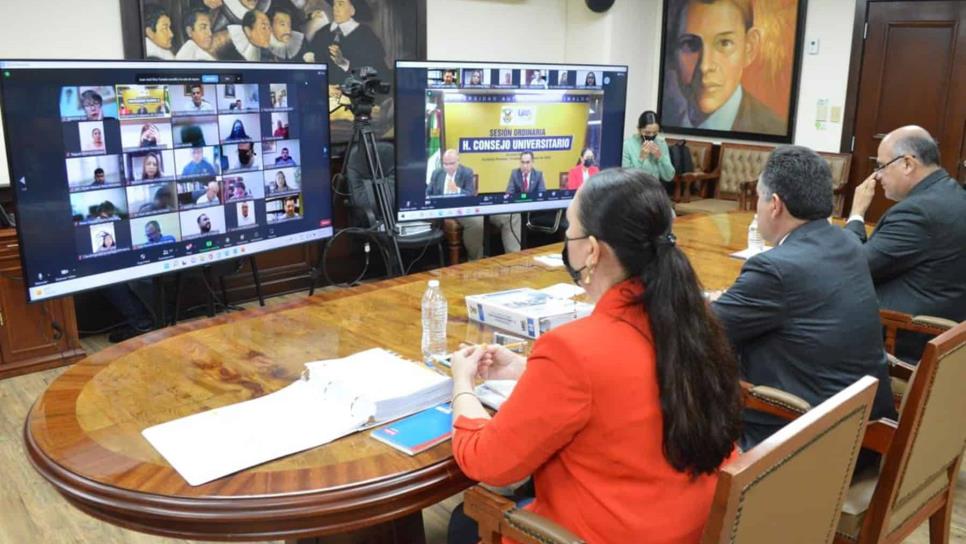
(655, 151)
(499, 363)
(466, 365)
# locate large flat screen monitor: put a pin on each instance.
(475, 138)
(123, 170)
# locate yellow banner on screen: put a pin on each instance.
(491, 135)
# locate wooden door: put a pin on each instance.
(913, 73)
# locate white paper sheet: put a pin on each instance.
(212, 444)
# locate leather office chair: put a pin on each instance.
(791, 484)
(921, 453)
(893, 322)
(839, 164)
(737, 164)
(701, 166)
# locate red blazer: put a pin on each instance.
(575, 178)
(585, 421)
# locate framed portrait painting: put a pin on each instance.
(344, 34)
(730, 68)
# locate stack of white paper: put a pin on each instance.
(338, 397)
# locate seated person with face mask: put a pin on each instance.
(608, 427)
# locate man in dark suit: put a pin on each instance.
(916, 252)
(803, 316)
(453, 179)
(525, 179)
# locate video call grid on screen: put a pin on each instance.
(130, 169)
(477, 138)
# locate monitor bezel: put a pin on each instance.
(552, 205)
(6, 64)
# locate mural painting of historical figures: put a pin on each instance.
(344, 34)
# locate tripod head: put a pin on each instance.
(361, 88)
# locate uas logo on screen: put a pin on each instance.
(518, 116)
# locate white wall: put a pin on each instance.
(63, 29)
(825, 75)
(498, 30)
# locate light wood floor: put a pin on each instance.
(32, 512)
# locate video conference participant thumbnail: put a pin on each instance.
(281, 153)
(240, 128)
(278, 95)
(286, 208)
(197, 161)
(201, 192)
(283, 181)
(140, 134)
(152, 198)
(238, 98)
(243, 186)
(193, 99)
(195, 131)
(149, 166)
(155, 230)
(90, 103)
(202, 222)
(240, 157)
(99, 206)
(97, 239)
(93, 171)
(280, 125)
(135, 101)
(245, 214)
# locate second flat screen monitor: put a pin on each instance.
(482, 138)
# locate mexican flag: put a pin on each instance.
(433, 144)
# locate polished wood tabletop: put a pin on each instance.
(84, 433)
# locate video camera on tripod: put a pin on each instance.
(361, 88)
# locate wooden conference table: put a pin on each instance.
(83, 434)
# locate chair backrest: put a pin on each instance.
(921, 462)
(739, 163)
(700, 154)
(793, 483)
(840, 164)
(362, 196)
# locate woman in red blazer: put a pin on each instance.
(584, 169)
(623, 417)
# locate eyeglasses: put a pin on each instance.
(569, 239)
(880, 167)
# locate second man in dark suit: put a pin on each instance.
(525, 179)
(916, 252)
(803, 316)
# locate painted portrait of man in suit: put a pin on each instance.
(728, 66)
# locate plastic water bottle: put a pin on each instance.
(754, 237)
(434, 310)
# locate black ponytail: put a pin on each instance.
(696, 369)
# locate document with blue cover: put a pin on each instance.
(418, 432)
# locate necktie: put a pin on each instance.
(337, 35)
(526, 183)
